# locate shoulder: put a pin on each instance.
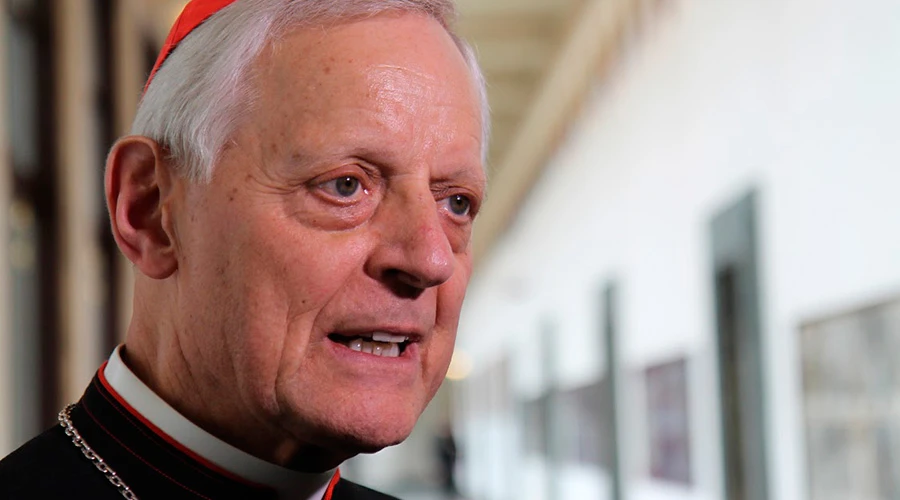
(50, 465)
(347, 490)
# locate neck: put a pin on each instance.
(188, 438)
(158, 358)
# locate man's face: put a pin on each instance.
(341, 210)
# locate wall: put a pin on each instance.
(6, 376)
(83, 275)
(81, 198)
(794, 99)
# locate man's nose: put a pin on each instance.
(414, 252)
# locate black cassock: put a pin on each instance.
(50, 466)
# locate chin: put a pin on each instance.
(356, 444)
(381, 430)
(333, 446)
(359, 425)
(328, 444)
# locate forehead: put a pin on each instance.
(396, 71)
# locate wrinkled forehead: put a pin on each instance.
(390, 43)
(389, 63)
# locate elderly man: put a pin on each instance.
(297, 198)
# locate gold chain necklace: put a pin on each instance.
(65, 421)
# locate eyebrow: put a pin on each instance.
(386, 159)
(465, 176)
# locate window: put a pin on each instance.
(851, 383)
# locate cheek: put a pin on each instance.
(450, 300)
(451, 295)
(289, 275)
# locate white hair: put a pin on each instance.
(198, 97)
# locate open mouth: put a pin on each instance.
(376, 343)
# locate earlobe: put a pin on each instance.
(138, 183)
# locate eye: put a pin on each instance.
(345, 186)
(459, 204)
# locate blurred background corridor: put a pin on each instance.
(687, 282)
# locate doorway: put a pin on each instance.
(739, 349)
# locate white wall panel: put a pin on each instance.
(797, 99)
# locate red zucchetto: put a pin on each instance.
(193, 15)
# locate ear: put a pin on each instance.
(138, 186)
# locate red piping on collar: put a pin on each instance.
(169, 439)
(334, 481)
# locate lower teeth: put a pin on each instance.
(384, 349)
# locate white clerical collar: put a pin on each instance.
(288, 483)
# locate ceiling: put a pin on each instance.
(517, 42)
